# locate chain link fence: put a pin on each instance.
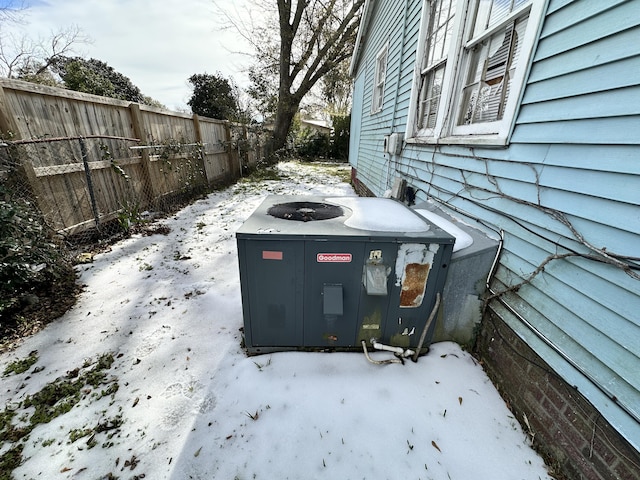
(61, 197)
(91, 188)
(79, 171)
(88, 189)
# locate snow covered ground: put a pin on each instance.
(179, 399)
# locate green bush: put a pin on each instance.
(312, 144)
(29, 259)
(340, 136)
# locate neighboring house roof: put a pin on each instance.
(320, 125)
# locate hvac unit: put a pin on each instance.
(329, 273)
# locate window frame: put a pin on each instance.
(377, 96)
(428, 70)
(446, 130)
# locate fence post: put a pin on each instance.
(232, 154)
(244, 152)
(139, 132)
(196, 128)
(87, 173)
(198, 138)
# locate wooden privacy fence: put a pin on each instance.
(89, 160)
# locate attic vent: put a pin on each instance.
(305, 211)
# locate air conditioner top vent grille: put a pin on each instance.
(305, 211)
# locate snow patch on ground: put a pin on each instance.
(194, 406)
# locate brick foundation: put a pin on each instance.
(575, 440)
(361, 189)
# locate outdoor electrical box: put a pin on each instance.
(325, 273)
(393, 144)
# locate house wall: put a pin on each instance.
(400, 17)
(567, 430)
(565, 192)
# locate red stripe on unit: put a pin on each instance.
(269, 255)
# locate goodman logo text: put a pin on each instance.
(334, 258)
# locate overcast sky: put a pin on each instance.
(158, 44)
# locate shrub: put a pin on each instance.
(340, 136)
(312, 144)
(29, 258)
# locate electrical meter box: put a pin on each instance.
(323, 273)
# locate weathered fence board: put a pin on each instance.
(219, 159)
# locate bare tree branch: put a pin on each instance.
(303, 39)
(62, 44)
(12, 14)
(23, 55)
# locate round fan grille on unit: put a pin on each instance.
(305, 211)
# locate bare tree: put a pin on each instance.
(11, 13)
(336, 89)
(299, 41)
(25, 57)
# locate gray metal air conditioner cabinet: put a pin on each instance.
(326, 275)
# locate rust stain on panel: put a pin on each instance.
(414, 284)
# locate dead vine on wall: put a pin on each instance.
(480, 196)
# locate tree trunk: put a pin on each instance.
(287, 109)
(303, 63)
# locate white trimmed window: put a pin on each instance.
(437, 44)
(474, 59)
(379, 79)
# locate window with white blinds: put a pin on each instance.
(474, 55)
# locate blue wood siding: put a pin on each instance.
(569, 181)
(401, 58)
